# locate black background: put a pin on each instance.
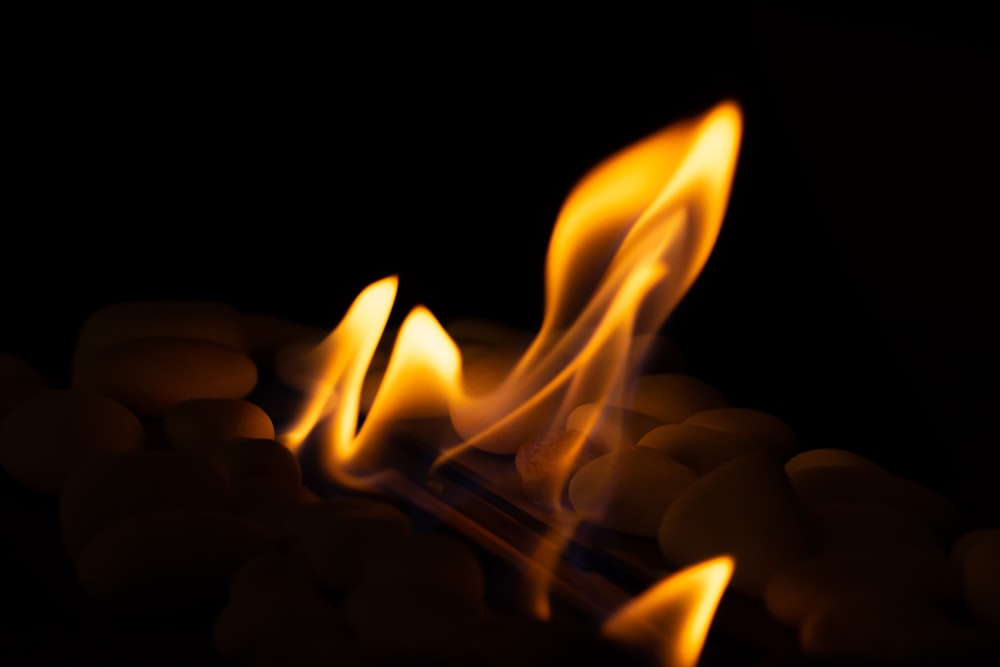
(282, 163)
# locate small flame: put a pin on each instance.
(671, 620)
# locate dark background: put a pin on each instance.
(283, 163)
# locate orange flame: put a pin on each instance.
(631, 238)
(671, 620)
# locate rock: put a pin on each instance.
(628, 491)
(202, 423)
(610, 427)
(828, 456)
(822, 484)
(152, 375)
(118, 323)
(49, 434)
(700, 448)
(546, 464)
(745, 509)
(765, 429)
(671, 398)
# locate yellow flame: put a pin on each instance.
(631, 238)
(345, 355)
(671, 620)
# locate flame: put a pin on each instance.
(671, 619)
(631, 238)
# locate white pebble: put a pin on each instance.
(248, 457)
(610, 428)
(485, 367)
(673, 397)
(152, 375)
(629, 490)
(828, 456)
(122, 322)
(545, 464)
(699, 448)
(822, 484)
(744, 508)
(199, 424)
(767, 430)
(49, 434)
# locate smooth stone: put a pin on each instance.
(671, 398)
(110, 487)
(334, 538)
(822, 484)
(803, 587)
(700, 448)
(18, 380)
(118, 323)
(152, 375)
(886, 627)
(545, 464)
(767, 430)
(854, 525)
(977, 554)
(249, 456)
(828, 456)
(274, 615)
(167, 559)
(629, 490)
(746, 509)
(610, 428)
(203, 423)
(49, 434)
(485, 367)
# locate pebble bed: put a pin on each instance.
(151, 516)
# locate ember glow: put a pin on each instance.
(629, 241)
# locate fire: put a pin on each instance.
(630, 240)
(672, 619)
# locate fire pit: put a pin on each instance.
(614, 505)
